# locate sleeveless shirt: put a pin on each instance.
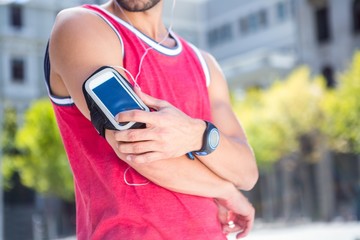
(108, 208)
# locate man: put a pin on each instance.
(140, 183)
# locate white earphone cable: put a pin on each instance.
(134, 79)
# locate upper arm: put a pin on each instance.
(80, 43)
(223, 116)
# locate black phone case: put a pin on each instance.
(98, 117)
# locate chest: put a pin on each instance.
(177, 79)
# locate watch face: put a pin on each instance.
(214, 138)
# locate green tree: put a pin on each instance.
(275, 118)
(342, 110)
(42, 164)
(9, 149)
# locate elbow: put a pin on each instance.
(248, 179)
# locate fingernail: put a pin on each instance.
(137, 87)
(129, 158)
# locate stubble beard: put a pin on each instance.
(137, 5)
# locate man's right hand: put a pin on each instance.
(169, 132)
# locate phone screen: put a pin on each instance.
(115, 97)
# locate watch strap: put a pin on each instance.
(210, 141)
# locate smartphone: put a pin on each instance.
(113, 94)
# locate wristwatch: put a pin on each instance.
(211, 140)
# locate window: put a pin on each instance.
(221, 34)
(356, 16)
(253, 22)
(281, 11)
(17, 70)
(244, 26)
(263, 18)
(16, 18)
(293, 7)
(322, 24)
(212, 37)
(226, 32)
(328, 74)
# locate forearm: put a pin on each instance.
(234, 161)
(180, 175)
(192, 177)
(186, 176)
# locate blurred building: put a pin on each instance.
(255, 42)
(260, 40)
(24, 31)
(328, 34)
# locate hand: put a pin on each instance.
(169, 132)
(236, 214)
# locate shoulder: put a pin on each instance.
(80, 43)
(76, 23)
(212, 63)
(218, 87)
(212, 69)
(72, 18)
(79, 33)
(215, 72)
(75, 15)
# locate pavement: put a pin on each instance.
(310, 231)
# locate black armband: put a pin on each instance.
(98, 118)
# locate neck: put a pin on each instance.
(148, 22)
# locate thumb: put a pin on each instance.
(150, 101)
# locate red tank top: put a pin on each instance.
(108, 208)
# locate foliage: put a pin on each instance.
(275, 118)
(342, 110)
(9, 150)
(42, 164)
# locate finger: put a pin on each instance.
(136, 116)
(245, 230)
(150, 101)
(222, 214)
(243, 234)
(231, 227)
(137, 148)
(134, 135)
(146, 157)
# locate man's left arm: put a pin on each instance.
(233, 159)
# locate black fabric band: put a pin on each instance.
(98, 118)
